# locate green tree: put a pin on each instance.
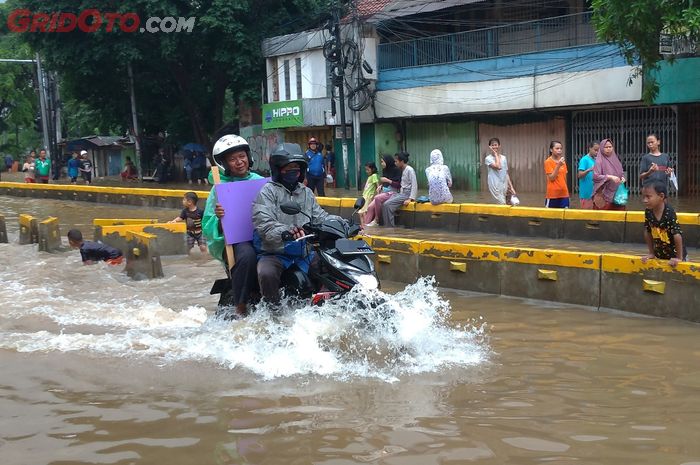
(181, 79)
(636, 26)
(18, 98)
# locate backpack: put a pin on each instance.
(316, 167)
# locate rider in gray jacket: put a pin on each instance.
(287, 166)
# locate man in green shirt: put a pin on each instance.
(42, 168)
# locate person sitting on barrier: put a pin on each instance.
(662, 232)
(390, 184)
(192, 215)
(439, 179)
(129, 173)
(407, 194)
(288, 167)
(231, 154)
(93, 252)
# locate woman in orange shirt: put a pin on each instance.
(555, 169)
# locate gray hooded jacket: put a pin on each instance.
(269, 220)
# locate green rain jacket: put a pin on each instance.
(210, 223)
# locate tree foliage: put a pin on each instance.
(181, 79)
(636, 26)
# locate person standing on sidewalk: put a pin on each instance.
(585, 176)
(85, 167)
(555, 169)
(316, 174)
(42, 168)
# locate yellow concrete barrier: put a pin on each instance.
(142, 256)
(28, 229)
(652, 288)
(171, 236)
(122, 221)
(3, 230)
(49, 235)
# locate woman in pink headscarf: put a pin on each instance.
(607, 177)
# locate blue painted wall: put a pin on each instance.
(575, 59)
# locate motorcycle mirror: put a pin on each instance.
(290, 208)
(359, 203)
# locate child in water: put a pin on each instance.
(662, 232)
(93, 252)
(192, 214)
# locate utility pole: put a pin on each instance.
(339, 79)
(134, 120)
(356, 114)
(42, 103)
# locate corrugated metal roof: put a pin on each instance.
(381, 10)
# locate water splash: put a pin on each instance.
(363, 334)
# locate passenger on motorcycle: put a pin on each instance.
(231, 154)
(288, 167)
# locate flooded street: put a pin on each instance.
(97, 368)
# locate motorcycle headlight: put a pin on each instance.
(367, 281)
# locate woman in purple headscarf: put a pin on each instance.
(607, 177)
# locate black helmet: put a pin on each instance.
(285, 154)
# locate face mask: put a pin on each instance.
(291, 176)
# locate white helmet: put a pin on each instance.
(227, 144)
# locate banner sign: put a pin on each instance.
(237, 199)
(283, 114)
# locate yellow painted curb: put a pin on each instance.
(537, 212)
(122, 221)
(123, 230)
(442, 208)
(595, 215)
(629, 264)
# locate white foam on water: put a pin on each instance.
(363, 334)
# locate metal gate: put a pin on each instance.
(628, 129)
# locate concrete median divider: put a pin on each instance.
(122, 221)
(142, 256)
(652, 288)
(595, 225)
(444, 217)
(330, 204)
(468, 267)
(163, 198)
(49, 235)
(591, 279)
(345, 207)
(483, 218)
(171, 236)
(536, 222)
(3, 230)
(28, 229)
(689, 222)
(396, 259)
(554, 275)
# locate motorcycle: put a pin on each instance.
(343, 262)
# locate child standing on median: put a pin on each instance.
(192, 214)
(662, 232)
(93, 252)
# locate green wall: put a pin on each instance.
(458, 142)
(679, 82)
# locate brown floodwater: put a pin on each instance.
(97, 368)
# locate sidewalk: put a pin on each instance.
(527, 199)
